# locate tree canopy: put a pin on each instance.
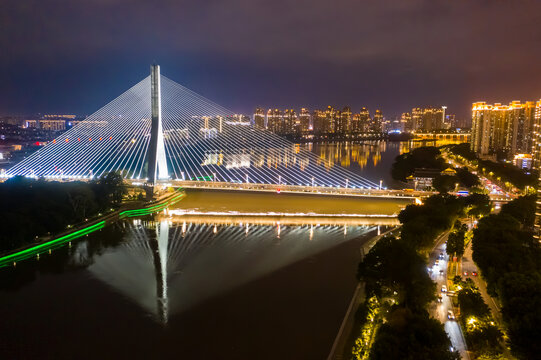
(37, 207)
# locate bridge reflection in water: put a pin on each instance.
(168, 266)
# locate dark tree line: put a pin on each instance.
(430, 157)
(510, 261)
(423, 157)
(33, 208)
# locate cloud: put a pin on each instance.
(463, 42)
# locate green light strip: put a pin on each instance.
(35, 250)
(49, 245)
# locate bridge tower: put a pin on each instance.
(157, 163)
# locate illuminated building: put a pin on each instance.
(259, 119)
(364, 120)
(304, 121)
(416, 118)
(60, 117)
(502, 129)
(377, 122)
(46, 124)
(356, 123)
(319, 122)
(406, 121)
(427, 119)
(289, 121)
(331, 115)
(523, 161)
(343, 121)
(274, 120)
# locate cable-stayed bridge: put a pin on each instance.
(159, 132)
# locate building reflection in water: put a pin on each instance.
(346, 154)
(168, 266)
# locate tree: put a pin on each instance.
(444, 183)
(423, 157)
(392, 266)
(466, 178)
(522, 209)
(409, 336)
(472, 304)
(521, 311)
(110, 189)
(500, 245)
(478, 204)
(463, 150)
(456, 243)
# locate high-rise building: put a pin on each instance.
(416, 118)
(289, 121)
(331, 117)
(259, 119)
(364, 124)
(504, 130)
(304, 121)
(343, 121)
(428, 119)
(319, 120)
(274, 121)
(406, 121)
(377, 122)
(432, 119)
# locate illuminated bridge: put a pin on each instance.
(159, 132)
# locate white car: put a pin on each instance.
(443, 288)
(450, 315)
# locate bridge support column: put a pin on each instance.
(157, 163)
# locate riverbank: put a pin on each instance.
(47, 244)
(343, 344)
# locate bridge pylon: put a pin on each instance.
(157, 162)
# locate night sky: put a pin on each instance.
(73, 56)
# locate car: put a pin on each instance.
(443, 288)
(440, 298)
(465, 273)
(450, 315)
(474, 273)
(441, 272)
(437, 263)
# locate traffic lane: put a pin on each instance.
(440, 310)
(480, 283)
(455, 334)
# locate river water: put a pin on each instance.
(158, 287)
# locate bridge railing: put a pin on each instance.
(324, 190)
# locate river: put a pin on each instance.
(159, 287)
